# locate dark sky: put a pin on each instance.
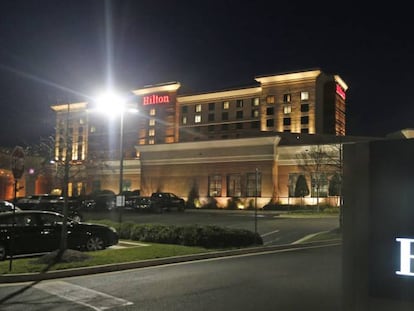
(53, 51)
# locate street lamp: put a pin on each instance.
(113, 104)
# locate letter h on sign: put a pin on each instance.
(405, 256)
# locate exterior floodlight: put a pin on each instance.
(110, 103)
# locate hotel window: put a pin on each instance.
(81, 121)
(304, 120)
(224, 127)
(184, 109)
(211, 116)
(184, 120)
(239, 103)
(319, 185)
(239, 114)
(234, 185)
(304, 95)
(255, 125)
(270, 111)
(255, 113)
(287, 121)
(210, 128)
(152, 112)
(214, 186)
(151, 142)
(151, 122)
(270, 99)
(254, 185)
(226, 105)
(287, 109)
(304, 107)
(286, 98)
(239, 126)
(151, 132)
(198, 108)
(255, 101)
(270, 122)
(211, 106)
(304, 130)
(225, 116)
(197, 118)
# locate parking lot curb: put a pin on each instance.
(33, 277)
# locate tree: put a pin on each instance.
(301, 188)
(319, 161)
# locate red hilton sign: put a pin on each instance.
(340, 91)
(155, 99)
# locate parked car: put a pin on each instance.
(103, 200)
(137, 203)
(50, 203)
(166, 201)
(6, 206)
(35, 232)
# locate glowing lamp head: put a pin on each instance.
(110, 103)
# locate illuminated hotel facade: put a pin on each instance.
(237, 143)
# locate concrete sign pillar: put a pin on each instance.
(378, 230)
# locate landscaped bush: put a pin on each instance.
(191, 235)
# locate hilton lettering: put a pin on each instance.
(406, 256)
(156, 99)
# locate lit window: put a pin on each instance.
(152, 112)
(152, 122)
(234, 185)
(255, 113)
(304, 95)
(254, 184)
(81, 121)
(197, 118)
(270, 99)
(184, 120)
(93, 129)
(198, 108)
(151, 132)
(255, 101)
(214, 186)
(151, 142)
(286, 98)
(226, 105)
(287, 109)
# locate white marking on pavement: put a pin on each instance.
(82, 295)
(269, 233)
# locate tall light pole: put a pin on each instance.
(112, 104)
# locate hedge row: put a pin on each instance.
(190, 235)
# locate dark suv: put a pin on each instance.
(166, 201)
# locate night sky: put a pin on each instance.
(54, 51)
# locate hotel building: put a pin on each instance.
(235, 143)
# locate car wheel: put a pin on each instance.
(2, 252)
(94, 243)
